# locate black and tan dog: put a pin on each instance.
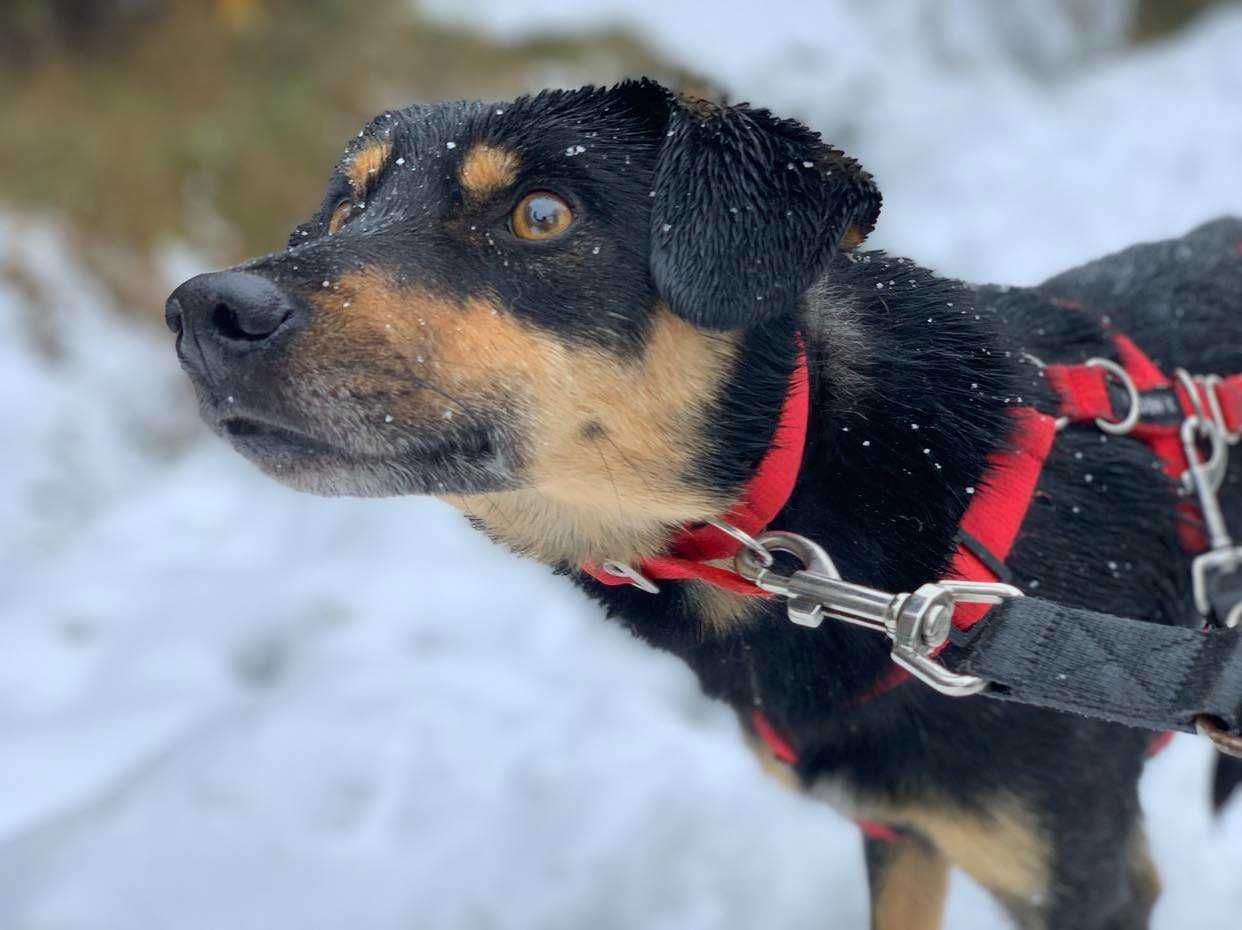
(575, 316)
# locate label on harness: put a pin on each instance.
(1158, 406)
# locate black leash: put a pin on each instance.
(1084, 662)
(1024, 649)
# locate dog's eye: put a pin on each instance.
(340, 213)
(541, 215)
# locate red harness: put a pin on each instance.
(998, 505)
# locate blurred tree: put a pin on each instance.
(31, 28)
(215, 122)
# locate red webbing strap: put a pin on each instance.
(1082, 390)
(995, 515)
(1229, 393)
(764, 496)
(780, 747)
(1083, 393)
(874, 830)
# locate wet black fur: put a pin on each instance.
(1101, 533)
(893, 448)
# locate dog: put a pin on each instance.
(577, 316)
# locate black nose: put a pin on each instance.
(228, 313)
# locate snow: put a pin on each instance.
(223, 704)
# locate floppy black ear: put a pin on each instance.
(748, 209)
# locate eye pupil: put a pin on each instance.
(543, 211)
(540, 216)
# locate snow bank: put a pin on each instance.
(223, 704)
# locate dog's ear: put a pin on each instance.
(748, 208)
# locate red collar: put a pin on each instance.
(766, 493)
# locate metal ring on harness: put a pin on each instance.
(1130, 420)
(749, 542)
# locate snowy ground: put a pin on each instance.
(226, 705)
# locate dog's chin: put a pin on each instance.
(464, 463)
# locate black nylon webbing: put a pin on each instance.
(1080, 661)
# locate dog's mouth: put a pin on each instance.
(466, 460)
(261, 437)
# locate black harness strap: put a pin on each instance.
(1099, 665)
(985, 555)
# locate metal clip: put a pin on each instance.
(1222, 557)
(918, 623)
(924, 621)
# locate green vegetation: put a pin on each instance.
(217, 122)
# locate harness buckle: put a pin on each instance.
(918, 622)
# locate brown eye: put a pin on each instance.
(541, 216)
(340, 213)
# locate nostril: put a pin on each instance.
(254, 322)
(231, 311)
(225, 321)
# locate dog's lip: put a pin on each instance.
(246, 429)
(259, 434)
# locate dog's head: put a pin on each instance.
(541, 299)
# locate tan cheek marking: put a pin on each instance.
(612, 494)
(365, 163)
(649, 409)
(398, 336)
(406, 353)
(589, 494)
(910, 891)
(487, 169)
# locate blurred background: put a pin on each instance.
(223, 704)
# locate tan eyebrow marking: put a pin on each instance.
(486, 169)
(366, 163)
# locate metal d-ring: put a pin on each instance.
(1130, 420)
(751, 544)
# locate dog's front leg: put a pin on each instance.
(908, 880)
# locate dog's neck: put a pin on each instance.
(908, 388)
